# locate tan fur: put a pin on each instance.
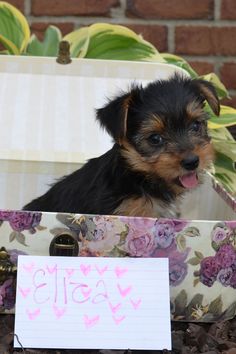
(206, 155)
(155, 125)
(146, 208)
(211, 98)
(194, 110)
(126, 104)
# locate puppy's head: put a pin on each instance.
(162, 129)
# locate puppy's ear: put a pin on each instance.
(209, 93)
(113, 117)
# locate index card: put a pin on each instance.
(92, 303)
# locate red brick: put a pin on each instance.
(228, 10)
(19, 4)
(170, 9)
(155, 34)
(73, 7)
(230, 102)
(38, 28)
(228, 75)
(203, 40)
(202, 67)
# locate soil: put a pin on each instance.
(187, 338)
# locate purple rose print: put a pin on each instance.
(137, 223)
(221, 267)
(20, 221)
(225, 256)
(7, 294)
(224, 276)
(140, 244)
(103, 229)
(164, 233)
(5, 215)
(231, 224)
(14, 255)
(177, 266)
(209, 269)
(179, 225)
(233, 280)
(177, 272)
(219, 234)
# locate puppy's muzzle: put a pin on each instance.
(190, 163)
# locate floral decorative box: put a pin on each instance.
(45, 136)
(202, 255)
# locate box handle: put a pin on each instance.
(64, 244)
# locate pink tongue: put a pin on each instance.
(189, 180)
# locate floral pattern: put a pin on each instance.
(201, 265)
(221, 267)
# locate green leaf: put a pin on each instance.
(14, 29)
(79, 42)
(215, 306)
(12, 236)
(229, 312)
(180, 302)
(224, 162)
(194, 261)
(196, 281)
(58, 230)
(107, 41)
(222, 134)
(219, 86)
(48, 47)
(191, 231)
(225, 148)
(21, 238)
(227, 117)
(180, 62)
(181, 242)
(123, 235)
(41, 228)
(199, 255)
(117, 252)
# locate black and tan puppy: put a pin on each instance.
(161, 148)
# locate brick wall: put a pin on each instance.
(201, 31)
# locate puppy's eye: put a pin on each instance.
(155, 139)
(196, 126)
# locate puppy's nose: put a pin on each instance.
(190, 162)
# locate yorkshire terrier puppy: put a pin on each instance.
(161, 148)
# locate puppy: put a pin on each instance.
(161, 148)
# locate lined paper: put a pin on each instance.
(92, 303)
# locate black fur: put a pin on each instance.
(101, 185)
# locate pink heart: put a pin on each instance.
(114, 308)
(86, 291)
(28, 267)
(124, 291)
(120, 272)
(136, 303)
(51, 270)
(33, 314)
(101, 271)
(69, 272)
(24, 292)
(90, 322)
(85, 269)
(118, 320)
(59, 312)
